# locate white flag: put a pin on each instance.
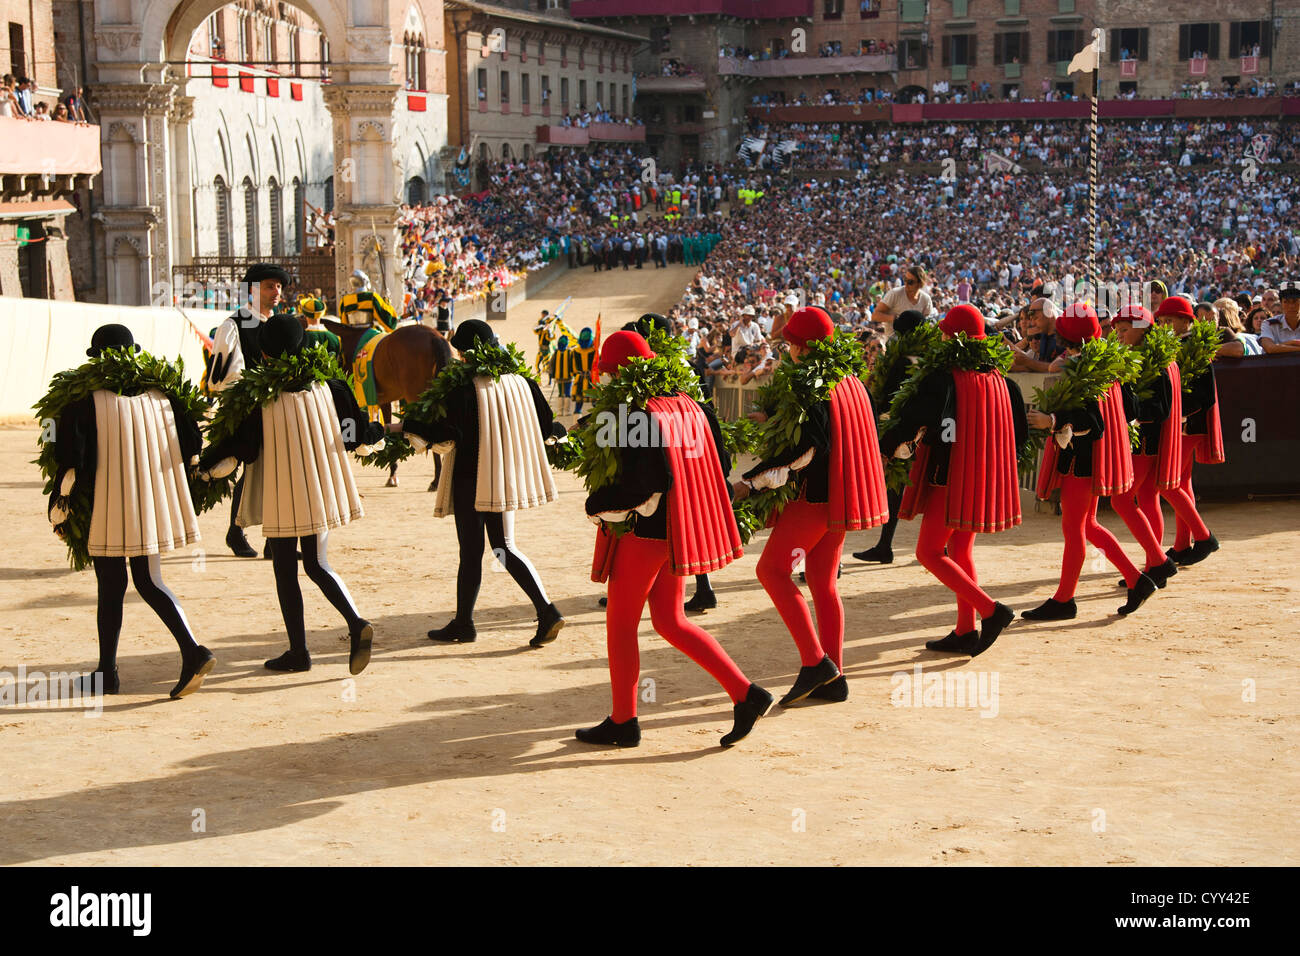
(1087, 59)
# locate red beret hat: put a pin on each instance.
(619, 349)
(963, 318)
(1138, 315)
(807, 324)
(1078, 323)
(1176, 305)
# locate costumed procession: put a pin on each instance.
(934, 429)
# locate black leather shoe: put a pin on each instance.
(702, 601)
(360, 640)
(1052, 610)
(627, 734)
(1200, 550)
(293, 661)
(809, 679)
(1179, 557)
(109, 682)
(955, 643)
(1161, 573)
(992, 626)
(1138, 594)
(548, 627)
(455, 633)
(755, 705)
(837, 691)
(603, 602)
(238, 543)
(877, 554)
(192, 673)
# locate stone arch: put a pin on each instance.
(140, 85)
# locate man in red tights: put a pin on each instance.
(1157, 459)
(673, 514)
(965, 427)
(841, 487)
(1088, 455)
(1202, 442)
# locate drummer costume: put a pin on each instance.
(1158, 457)
(1087, 456)
(133, 450)
(965, 486)
(1202, 441)
(841, 487)
(673, 494)
(492, 435)
(301, 490)
(234, 348)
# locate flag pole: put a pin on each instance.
(1092, 169)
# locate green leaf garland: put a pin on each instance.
(262, 384)
(897, 350)
(123, 372)
(1196, 353)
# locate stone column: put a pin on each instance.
(367, 185)
(182, 188)
(137, 200)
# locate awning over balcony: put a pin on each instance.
(32, 147)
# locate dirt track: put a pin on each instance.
(1114, 741)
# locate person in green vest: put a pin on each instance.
(313, 310)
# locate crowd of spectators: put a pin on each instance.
(18, 100)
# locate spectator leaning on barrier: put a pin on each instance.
(745, 331)
(1040, 347)
(911, 295)
(1243, 343)
(1280, 335)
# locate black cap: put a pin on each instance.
(1289, 290)
(652, 320)
(111, 337)
(265, 270)
(907, 321)
(471, 334)
(281, 334)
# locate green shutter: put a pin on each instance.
(959, 7)
(911, 11)
(1012, 8)
(1065, 6)
(1012, 70)
(959, 73)
(1062, 67)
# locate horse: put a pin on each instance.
(404, 363)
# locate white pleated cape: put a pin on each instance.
(302, 482)
(142, 499)
(513, 472)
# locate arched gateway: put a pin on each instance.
(145, 115)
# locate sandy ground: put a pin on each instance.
(1112, 741)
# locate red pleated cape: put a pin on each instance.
(1211, 452)
(702, 532)
(983, 486)
(1112, 454)
(858, 498)
(1169, 459)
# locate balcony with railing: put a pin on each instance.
(616, 132)
(809, 65)
(657, 83)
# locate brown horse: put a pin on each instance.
(404, 363)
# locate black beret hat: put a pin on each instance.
(111, 337)
(281, 334)
(907, 321)
(471, 334)
(265, 270)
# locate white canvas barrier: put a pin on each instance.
(39, 337)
